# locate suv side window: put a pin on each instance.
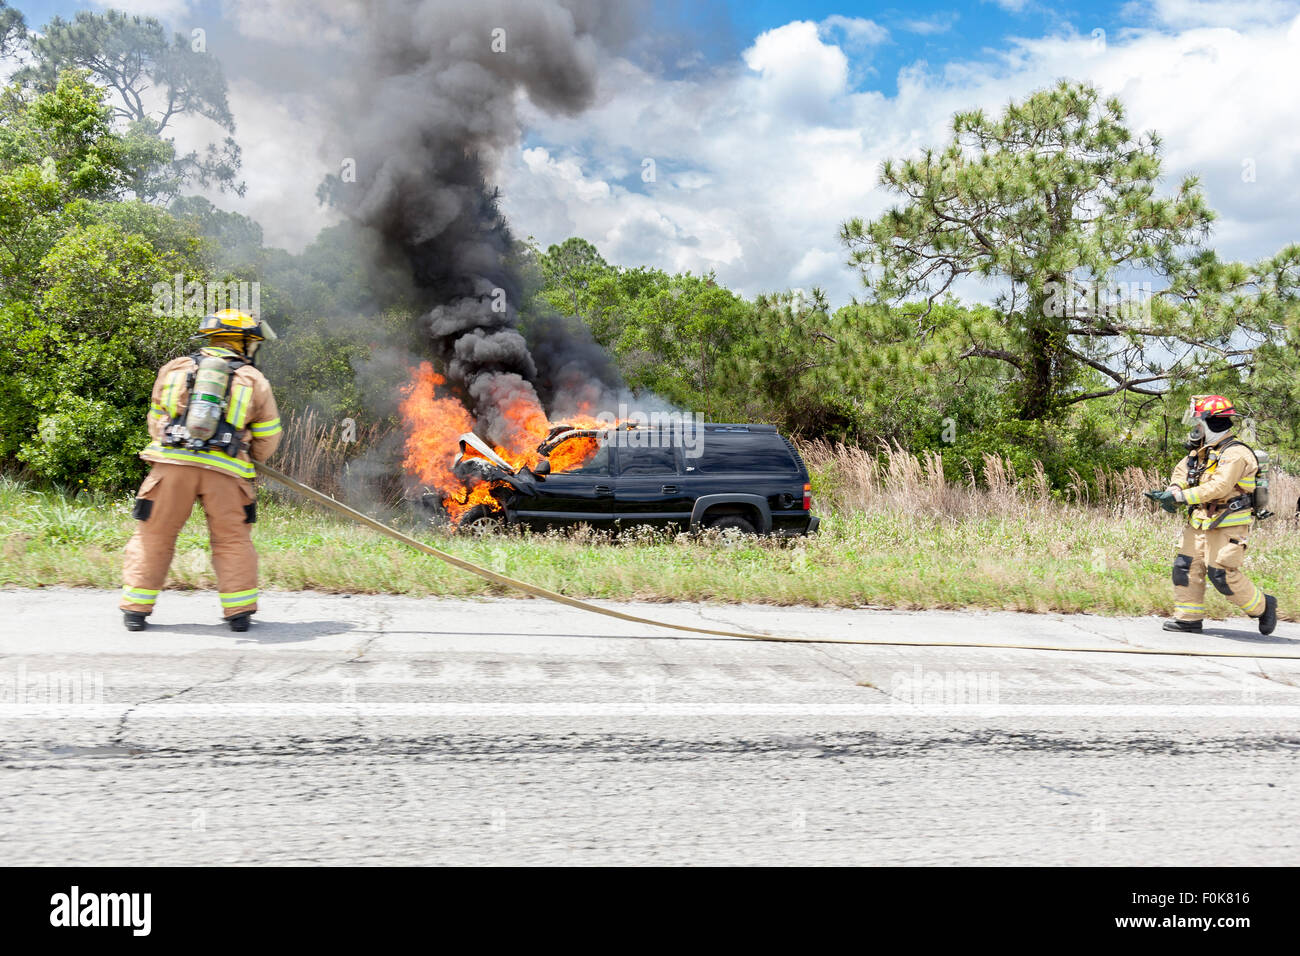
(647, 461)
(760, 452)
(598, 464)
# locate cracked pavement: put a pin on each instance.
(370, 729)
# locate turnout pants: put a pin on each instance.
(1217, 556)
(162, 507)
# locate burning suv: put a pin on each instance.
(747, 477)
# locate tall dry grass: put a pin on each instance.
(853, 479)
(318, 452)
(1284, 496)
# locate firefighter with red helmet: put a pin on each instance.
(212, 416)
(1217, 482)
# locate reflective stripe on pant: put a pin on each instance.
(1217, 556)
(163, 505)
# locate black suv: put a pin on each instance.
(747, 477)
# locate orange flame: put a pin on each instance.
(433, 426)
(435, 423)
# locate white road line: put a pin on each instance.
(160, 711)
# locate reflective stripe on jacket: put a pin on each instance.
(217, 460)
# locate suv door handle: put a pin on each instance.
(668, 490)
(603, 491)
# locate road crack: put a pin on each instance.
(119, 735)
(381, 624)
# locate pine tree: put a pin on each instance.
(1103, 285)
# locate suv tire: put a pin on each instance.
(480, 520)
(723, 522)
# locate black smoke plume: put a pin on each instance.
(438, 86)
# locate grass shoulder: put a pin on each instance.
(1041, 558)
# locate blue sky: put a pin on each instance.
(767, 121)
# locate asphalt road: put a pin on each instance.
(373, 730)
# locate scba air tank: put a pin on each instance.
(208, 398)
(1261, 482)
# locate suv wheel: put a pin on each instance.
(743, 525)
(480, 520)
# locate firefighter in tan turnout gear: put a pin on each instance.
(1218, 482)
(211, 413)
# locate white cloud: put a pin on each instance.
(800, 75)
(626, 221)
(286, 154)
(929, 26)
(165, 10)
(1185, 14)
(303, 23)
(858, 32)
(1011, 6)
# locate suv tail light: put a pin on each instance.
(807, 496)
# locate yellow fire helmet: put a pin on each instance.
(231, 328)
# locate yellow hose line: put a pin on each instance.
(559, 598)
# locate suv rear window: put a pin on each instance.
(732, 452)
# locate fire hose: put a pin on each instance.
(549, 595)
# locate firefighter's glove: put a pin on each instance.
(1165, 499)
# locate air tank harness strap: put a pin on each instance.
(1239, 503)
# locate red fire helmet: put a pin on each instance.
(1202, 407)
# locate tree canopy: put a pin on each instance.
(154, 78)
(78, 261)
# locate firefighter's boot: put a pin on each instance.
(1174, 624)
(134, 620)
(1268, 620)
